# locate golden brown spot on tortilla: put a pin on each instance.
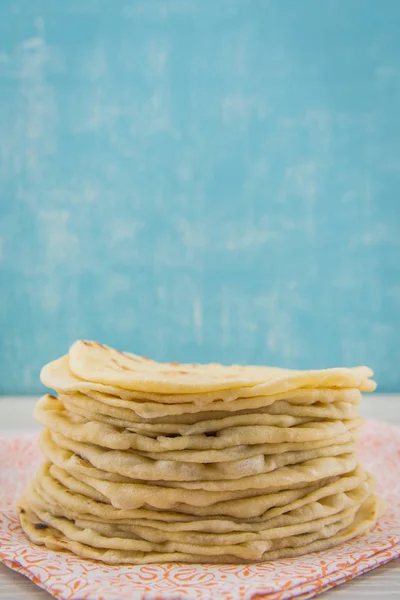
(130, 358)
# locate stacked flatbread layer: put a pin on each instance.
(158, 462)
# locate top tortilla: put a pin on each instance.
(99, 365)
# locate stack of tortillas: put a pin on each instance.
(159, 462)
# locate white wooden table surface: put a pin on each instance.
(382, 583)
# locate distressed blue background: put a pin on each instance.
(200, 180)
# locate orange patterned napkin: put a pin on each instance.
(68, 577)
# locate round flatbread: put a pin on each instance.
(75, 496)
(50, 412)
(101, 365)
(99, 462)
(158, 462)
(279, 414)
(61, 534)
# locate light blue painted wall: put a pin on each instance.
(200, 180)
